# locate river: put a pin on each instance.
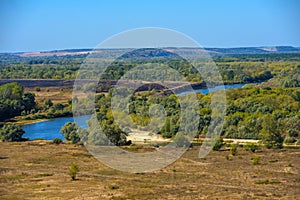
(206, 91)
(50, 129)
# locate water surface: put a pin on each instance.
(50, 129)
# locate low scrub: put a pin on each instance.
(233, 149)
(251, 147)
(57, 141)
(289, 140)
(255, 159)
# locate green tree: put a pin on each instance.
(13, 101)
(73, 170)
(270, 134)
(48, 103)
(28, 101)
(219, 143)
(11, 133)
(70, 132)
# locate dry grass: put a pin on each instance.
(39, 170)
(56, 94)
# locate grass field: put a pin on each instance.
(56, 94)
(39, 170)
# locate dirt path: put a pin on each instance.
(139, 136)
(241, 140)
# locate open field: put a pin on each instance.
(39, 170)
(56, 94)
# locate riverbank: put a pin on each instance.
(29, 119)
(26, 122)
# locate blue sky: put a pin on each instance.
(37, 25)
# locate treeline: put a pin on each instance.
(244, 68)
(268, 114)
(263, 57)
(15, 102)
(39, 71)
(253, 112)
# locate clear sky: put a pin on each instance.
(37, 25)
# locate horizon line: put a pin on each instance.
(88, 48)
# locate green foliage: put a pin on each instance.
(57, 141)
(11, 133)
(13, 101)
(289, 140)
(70, 131)
(219, 143)
(73, 170)
(252, 112)
(251, 147)
(255, 159)
(248, 109)
(233, 149)
(37, 89)
(290, 81)
(270, 134)
(233, 68)
(110, 133)
(48, 103)
(292, 125)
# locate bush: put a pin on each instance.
(73, 170)
(37, 89)
(289, 140)
(48, 103)
(11, 133)
(70, 132)
(218, 143)
(233, 149)
(166, 135)
(57, 141)
(251, 147)
(255, 159)
(292, 133)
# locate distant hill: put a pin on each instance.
(255, 50)
(213, 51)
